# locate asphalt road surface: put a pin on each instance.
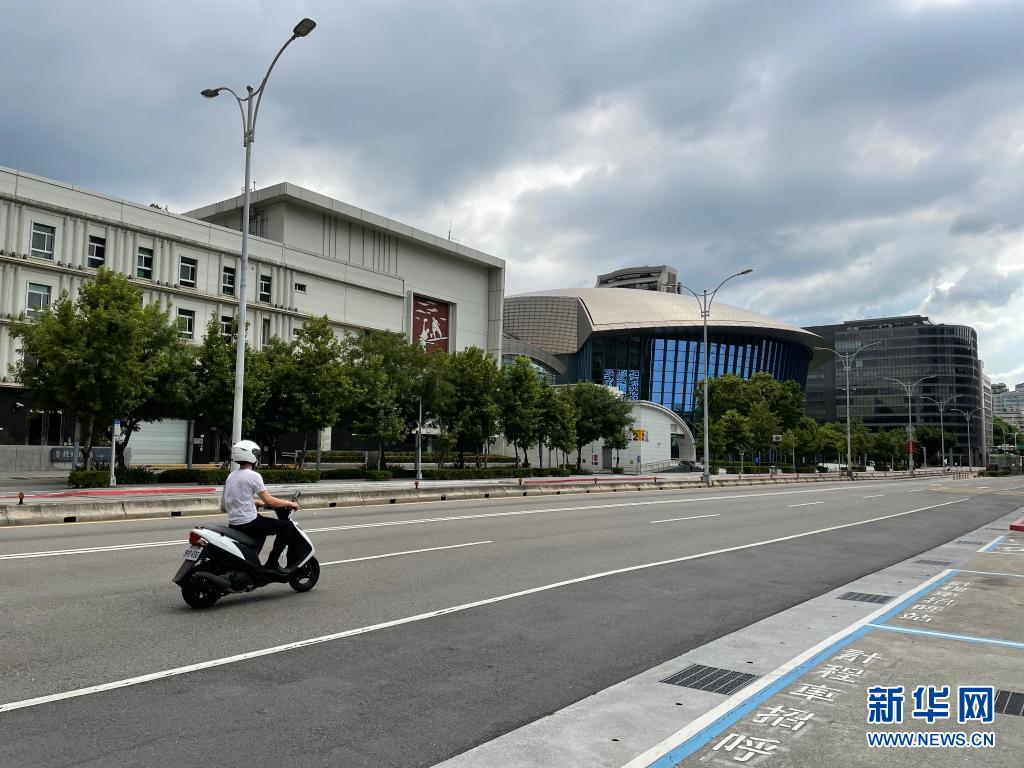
(435, 626)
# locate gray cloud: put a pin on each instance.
(857, 155)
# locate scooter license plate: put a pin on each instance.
(193, 553)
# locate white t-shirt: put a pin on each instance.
(239, 489)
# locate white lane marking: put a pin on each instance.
(175, 671)
(806, 504)
(918, 490)
(406, 552)
(677, 519)
(874, 496)
(734, 701)
(994, 573)
(87, 550)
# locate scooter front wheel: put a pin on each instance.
(306, 576)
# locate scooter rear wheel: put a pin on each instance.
(305, 577)
(200, 595)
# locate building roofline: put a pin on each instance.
(287, 191)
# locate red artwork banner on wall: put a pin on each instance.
(430, 323)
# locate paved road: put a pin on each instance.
(424, 687)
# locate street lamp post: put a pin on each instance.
(942, 424)
(249, 114)
(910, 416)
(968, 415)
(704, 300)
(847, 361)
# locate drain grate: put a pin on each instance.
(935, 562)
(713, 679)
(866, 597)
(1010, 703)
(975, 543)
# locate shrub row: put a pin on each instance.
(100, 478)
(403, 456)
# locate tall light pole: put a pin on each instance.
(847, 360)
(249, 114)
(941, 405)
(704, 300)
(968, 415)
(910, 416)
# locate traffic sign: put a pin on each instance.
(776, 438)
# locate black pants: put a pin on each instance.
(262, 527)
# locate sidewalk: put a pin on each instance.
(932, 648)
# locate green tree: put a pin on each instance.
(599, 414)
(618, 442)
(103, 356)
(270, 394)
(832, 440)
(861, 440)
(556, 420)
(733, 433)
(471, 412)
(764, 425)
(518, 403)
(788, 445)
(318, 381)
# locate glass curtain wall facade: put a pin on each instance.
(911, 348)
(668, 369)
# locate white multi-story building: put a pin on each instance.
(309, 255)
(1008, 404)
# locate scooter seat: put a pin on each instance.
(237, 535)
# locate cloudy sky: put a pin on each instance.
(865, 158)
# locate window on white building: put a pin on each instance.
(42, 240)
(265, 331)
(300, 287)
(187, 323)
(187, 269)
(226, 326)
(227, 281)
(144, 264)
(97, 251)
(38, 298)
(265, 288)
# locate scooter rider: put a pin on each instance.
(241, 489)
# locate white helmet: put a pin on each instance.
(247, 451)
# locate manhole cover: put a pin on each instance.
(1010, 703)
(713, 679)
(866, 597)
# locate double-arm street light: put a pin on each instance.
(968, 415)
(249, 113)
(941, 405)
(910, 415)
(847, 360)
(704, 299)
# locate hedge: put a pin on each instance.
(333, 457)
(89, 478)
(377, 474)
(218, 476)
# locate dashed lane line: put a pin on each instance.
(406, 552)
(678, 519)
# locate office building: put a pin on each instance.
(908, 348)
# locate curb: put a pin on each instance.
(140, 509)
(1017, 525)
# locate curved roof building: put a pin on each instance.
(649, 344)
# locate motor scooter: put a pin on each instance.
(221, 560)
